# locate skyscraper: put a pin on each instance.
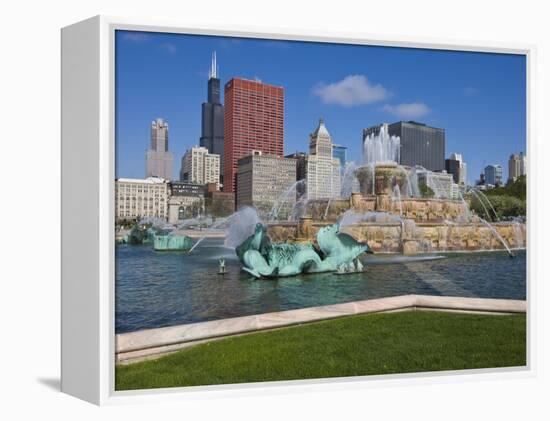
(516, 166)
(458, 168)
(322, 168)
(212, 115)
(254, 113)
(522, 164)
(420, 144)
(199, 166)
(261, 181)
(493, 175)
(340, 152)
(513, 168)
(158, 159)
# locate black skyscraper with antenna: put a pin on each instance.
(212, 116)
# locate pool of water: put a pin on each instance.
(156, 289)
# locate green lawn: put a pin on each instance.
(403, 342)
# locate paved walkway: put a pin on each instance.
(151, 343)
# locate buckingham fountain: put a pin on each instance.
(382, 205)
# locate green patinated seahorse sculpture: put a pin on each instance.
(258, 241)
(261, 258)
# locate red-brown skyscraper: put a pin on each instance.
(254, 114)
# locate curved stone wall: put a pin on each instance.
(410, 237)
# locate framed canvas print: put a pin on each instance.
(242, 208)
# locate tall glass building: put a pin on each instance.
(493, 175)
(420, 144)
(340, 152)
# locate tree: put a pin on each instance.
(517, 189)
(508, 201)
(425, 190)
(505, 206)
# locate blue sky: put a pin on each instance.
(478, 98)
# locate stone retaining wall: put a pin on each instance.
(410, 237)
(419, 209)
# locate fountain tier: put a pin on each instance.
(412, 238)
(392, 218)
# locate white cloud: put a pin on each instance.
(350, 91)
(408, 110)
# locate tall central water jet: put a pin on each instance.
(380, 150)
(380, 147)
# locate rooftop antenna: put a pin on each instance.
(213, 67)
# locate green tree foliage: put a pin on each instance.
(505, 206)
(426, 191)
(508, 201)
(516, 189)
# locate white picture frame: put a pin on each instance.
(88, 157)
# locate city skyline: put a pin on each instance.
(478, 98)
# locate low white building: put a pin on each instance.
(140, 198)
(455, 191)
(441, 183)
(186, 201)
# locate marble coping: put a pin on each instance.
(143, 343)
